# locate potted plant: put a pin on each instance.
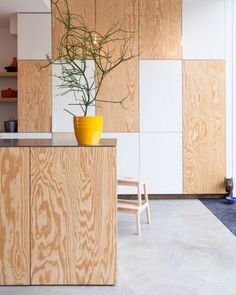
(79, 45)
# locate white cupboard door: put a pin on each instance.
(62, 121)
(160, 96)
(127, 157)
(34, 35)
(203, 29)
(161, 162)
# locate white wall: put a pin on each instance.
(8, 49)
(34, 35)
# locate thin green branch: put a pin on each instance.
(78, 45)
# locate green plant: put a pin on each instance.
(80, 44)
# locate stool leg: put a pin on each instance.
(146, 200)
(140, 206)
(138, 223)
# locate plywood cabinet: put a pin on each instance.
(160, 29)
(73, 216)
(204, 126)
(85, 8)
(34, 96)
(123, 81)
(58, 215)
(14, 217)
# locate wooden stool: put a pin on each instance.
(135, 207)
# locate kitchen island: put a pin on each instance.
(58, 212)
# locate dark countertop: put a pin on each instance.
(108, 142)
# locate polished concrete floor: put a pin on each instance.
(185, 251)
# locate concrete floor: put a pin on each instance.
(186, 250)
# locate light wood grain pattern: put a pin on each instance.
(14, 217)
(85, 8)
(204, 126)
(123, 81)
(160, 29)
(73, 215)
(34, 96)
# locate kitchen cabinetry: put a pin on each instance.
(34, 96)
(14, 216)
(58, 213)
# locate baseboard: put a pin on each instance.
(175, 196)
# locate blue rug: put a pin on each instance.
(223, 211)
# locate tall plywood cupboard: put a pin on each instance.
(165, 103)
(34, 85)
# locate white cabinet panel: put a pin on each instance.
(160, 96)
(127, 157)
(203, 29)
(34, 36)
(161, 162)
(61, 120)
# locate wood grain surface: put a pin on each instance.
(73, 237)
(14, 217)
(85, 8)
(123, 81)
(34, 96)
(204, 126)
(160, 29)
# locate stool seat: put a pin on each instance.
(136, 206)
(130, 181)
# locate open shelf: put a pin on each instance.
(8, 99)
(8, 74)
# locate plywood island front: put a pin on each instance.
(57, 213)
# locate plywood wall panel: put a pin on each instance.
(73, 215)
(123, 82)
(34, 96)
(160, 29)
(204, 126)
(14, 217)
(84, 8)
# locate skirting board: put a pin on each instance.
(175, 196)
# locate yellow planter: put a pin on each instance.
(88, 130)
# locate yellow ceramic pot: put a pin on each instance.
(88, 129)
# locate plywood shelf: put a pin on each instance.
(8, 74)
(8, 99)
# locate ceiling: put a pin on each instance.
(14, 6)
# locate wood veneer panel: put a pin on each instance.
(123, 81)
(204, 126)
(85, 8)
(14, 217)
(160, 29)
(34, 96)
(73, 215)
